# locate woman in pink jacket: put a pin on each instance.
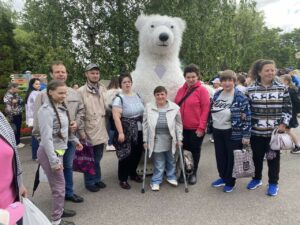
(194, 102)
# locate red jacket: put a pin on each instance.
(195, 109)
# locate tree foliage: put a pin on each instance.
(220, 34)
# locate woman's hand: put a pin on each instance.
(145, 146)
(246, 141)
(58, 168)
(179, 143)
(79, 147)
(23, 191)
(281, 128)
(199, 133)
(121, 137)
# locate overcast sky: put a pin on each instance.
(278, 13)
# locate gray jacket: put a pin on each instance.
(49, 129)
(73, 102)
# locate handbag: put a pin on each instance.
(84, 160)
(243, 163)
(281, 141)
(32, 215)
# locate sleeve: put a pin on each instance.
(46, 130)
(80, 114)
(117, 102)
(286, 108)
(178, 126)
(145, 125)
(205, 109)
(30, 105)
(246, 119)
(37, 105)
(73, 138)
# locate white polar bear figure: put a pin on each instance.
(158, 62)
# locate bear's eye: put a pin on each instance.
(152, 26)
(172, 26)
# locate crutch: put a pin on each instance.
(144, 171)
(183, 169)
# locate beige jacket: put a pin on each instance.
(150, 118)
(74, 105)
(94, 118)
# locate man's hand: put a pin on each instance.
(179, 143)
(73, 126)
(145, 145)
(246, 141)
(121, 137)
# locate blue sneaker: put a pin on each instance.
(273, 189)
(253, 184)
(218, 183)
(228, 189)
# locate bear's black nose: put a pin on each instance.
(163, 37)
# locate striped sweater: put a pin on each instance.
(270, 106)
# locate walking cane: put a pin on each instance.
(144, 171)
(183, 169)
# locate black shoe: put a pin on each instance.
(92, 188)
(100, 184)
(180, 179)
(75, 198)
(68, 213)
(296, 150)
(193, 179)
(63, 222)
(124, 185)
(137, 179)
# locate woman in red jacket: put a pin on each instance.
(194, 102)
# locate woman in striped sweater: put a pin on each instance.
(270, 108)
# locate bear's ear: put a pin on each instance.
(140, 22)
(181, 23)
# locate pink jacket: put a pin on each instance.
(195, 109)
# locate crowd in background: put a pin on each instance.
(242, 109)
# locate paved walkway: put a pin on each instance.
(172, 206)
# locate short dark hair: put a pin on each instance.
(123, 76)
(160, 89)
(241, 78)
(192, 68)
(228, 75)
(12, 85)
(56, 63)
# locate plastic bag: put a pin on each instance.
(32, 215)
(84, 161)
(243, 163)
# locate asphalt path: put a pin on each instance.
(203, 204)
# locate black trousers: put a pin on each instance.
(17, 121)
(127, 167)
(224, 148)
(192, 143)
(260, 145)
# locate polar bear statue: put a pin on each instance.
(158, 62)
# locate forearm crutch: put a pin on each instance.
(183, 169)
(144, 171)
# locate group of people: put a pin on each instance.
(63, 119)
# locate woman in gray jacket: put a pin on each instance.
(162, 131)
(55, 133)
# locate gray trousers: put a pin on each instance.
(57, 184)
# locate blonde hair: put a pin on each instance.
(288, 78)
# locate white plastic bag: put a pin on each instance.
(281, 141)
(42, 175)
(32, 215)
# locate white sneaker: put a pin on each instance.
(20, 145)
(154, 187)
(211, 140)
(110, 148)
(173, 182)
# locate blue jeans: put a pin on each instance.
(68, 168)
(34, 147)
(90, 180)
(163, 161)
